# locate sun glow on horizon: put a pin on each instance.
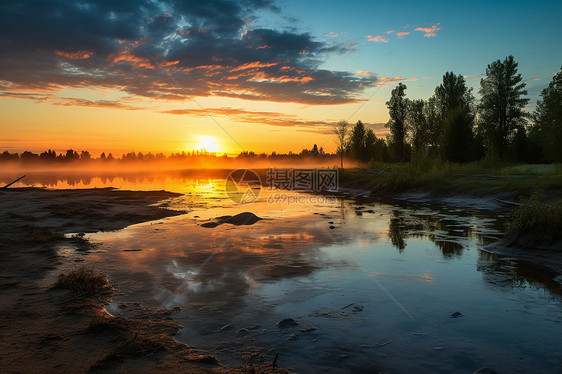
(208, 143)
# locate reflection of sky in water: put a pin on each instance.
(235, 282)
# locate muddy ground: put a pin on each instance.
(47, 330)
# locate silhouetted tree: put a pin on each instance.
(357, 141)
(457, 142)
(417, 125)
(502, 103)
(434, 122)
(548, 119)
(342, 138)
(397, 108)
(454, 102)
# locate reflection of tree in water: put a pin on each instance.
(395, 230)
(507, 274)
(448, 232)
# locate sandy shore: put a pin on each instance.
(46, 330)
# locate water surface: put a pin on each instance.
(379, 290)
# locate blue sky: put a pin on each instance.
(472, 34)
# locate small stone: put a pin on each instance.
(357, 308)
(456, 315)
(485, 371)
(308, 329)
(293, 337)
(332, 227)
(286, 322)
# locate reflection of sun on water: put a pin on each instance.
(208, 143)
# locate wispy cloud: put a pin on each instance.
(389, 32)
(257, 117)
(377, 39)
(367, 73)
(68, 101)
(402, 35)
(430, 32)
(472, 76)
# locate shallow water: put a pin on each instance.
(380, 288)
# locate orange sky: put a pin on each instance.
(159, 126)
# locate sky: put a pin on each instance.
(251, 75)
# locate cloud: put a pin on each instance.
(257, 117)
(402, 35)
(389, 32)
(377, 39)
(472, 76)
(64, 101)
(430, 32)
(167, 50)
(367, 73)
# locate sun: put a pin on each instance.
(208, 143)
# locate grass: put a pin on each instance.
(43, 235)
(535, 217)
(480, 177)
(83, 280)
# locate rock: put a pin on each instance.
(456, 315)
(246, 218)
(308, 329)
(485, 371)
(358, 308)
(243, 331)
(370, 211)
(293, 337)
(358, 213)
(209, 224)
(332, 227)
(287, 322)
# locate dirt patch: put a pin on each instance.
(65, 328)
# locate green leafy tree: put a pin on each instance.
(398, 109)
(502, 104)
(548, 119)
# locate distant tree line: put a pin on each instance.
(50, 156)
(453, 126)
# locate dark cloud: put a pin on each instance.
(169, 50)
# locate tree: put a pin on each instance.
(397, 108)
(548, 119)
(357, 141)
(502, 104)
(457, 140)
(342, 138)
(417, 125)
(454, 103)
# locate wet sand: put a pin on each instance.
(45, 330)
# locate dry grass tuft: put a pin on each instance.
(83, 280)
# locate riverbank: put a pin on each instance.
(66, 328)
(468, 186)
